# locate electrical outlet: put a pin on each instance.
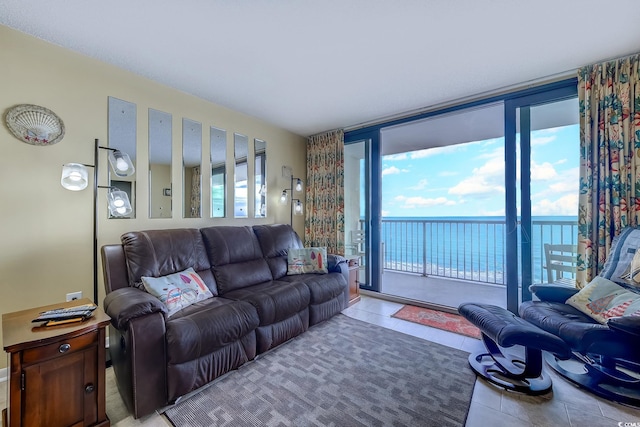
(74, 295)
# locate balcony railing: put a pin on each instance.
(467, 249)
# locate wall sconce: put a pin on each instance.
(75, 178)
(296, 185)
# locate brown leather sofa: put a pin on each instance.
(256, 306)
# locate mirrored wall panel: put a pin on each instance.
(191, 168)
(160, 140)
(240, 152)
(260, 174)
(218, 139)
(122, 131)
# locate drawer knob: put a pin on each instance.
(89, 388)
(64, 348)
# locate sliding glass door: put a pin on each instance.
(501, 186)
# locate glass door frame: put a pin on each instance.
(372, 208)
(521, 254)
(545, 93)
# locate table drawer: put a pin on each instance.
(59, 348)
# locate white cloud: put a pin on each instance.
(565, 183)
(392, 170)
(421, 185)
(565, 205)
(484, 180)
(423, 202)
(542, 172)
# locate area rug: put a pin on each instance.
(342, 372)
(438, 319)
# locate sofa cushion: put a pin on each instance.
(178, 290)
(322, 288)
(274, 300)
(235, 257)
(158, 253)
(275, 241)
(207, 326)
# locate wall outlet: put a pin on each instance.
(74, 295)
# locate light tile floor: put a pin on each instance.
(566, 405)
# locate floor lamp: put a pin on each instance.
(75, 178)
(296, 204)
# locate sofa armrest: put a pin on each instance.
(125, 304)
(553, 293)
(626, 324)
(338, 264)
(334, 261)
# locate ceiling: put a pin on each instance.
(310, 66)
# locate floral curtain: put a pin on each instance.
(324, 217)
(609, 200)
(195, 192)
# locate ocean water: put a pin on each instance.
(470, 248)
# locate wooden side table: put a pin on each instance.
(57, 373)
(354, 282)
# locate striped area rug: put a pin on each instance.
(342, 372)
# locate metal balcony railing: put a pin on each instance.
(467, 249)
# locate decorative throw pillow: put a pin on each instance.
(623, 249)
(178, 290)
(602, 299)
(307, 260)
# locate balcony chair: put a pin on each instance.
(560, 260)
(357, 244)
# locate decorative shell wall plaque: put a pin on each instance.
(35, 125)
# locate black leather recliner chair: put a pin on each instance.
(606, 357)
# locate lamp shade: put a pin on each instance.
(119, 204)
(283, 197)
(298, 208)
(74, 176)
(299, 185)
(121, 163)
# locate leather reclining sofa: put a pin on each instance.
(256, 306)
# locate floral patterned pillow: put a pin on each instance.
(178, 290)
(307, 260)
(602, 299)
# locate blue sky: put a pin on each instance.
(468, 179)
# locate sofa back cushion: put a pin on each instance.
(235, 257)
(275, 241)
(157, 253)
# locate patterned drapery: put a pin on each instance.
(195, 192)
(609, 95)
(324, 217)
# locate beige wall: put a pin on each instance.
(46, 231)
